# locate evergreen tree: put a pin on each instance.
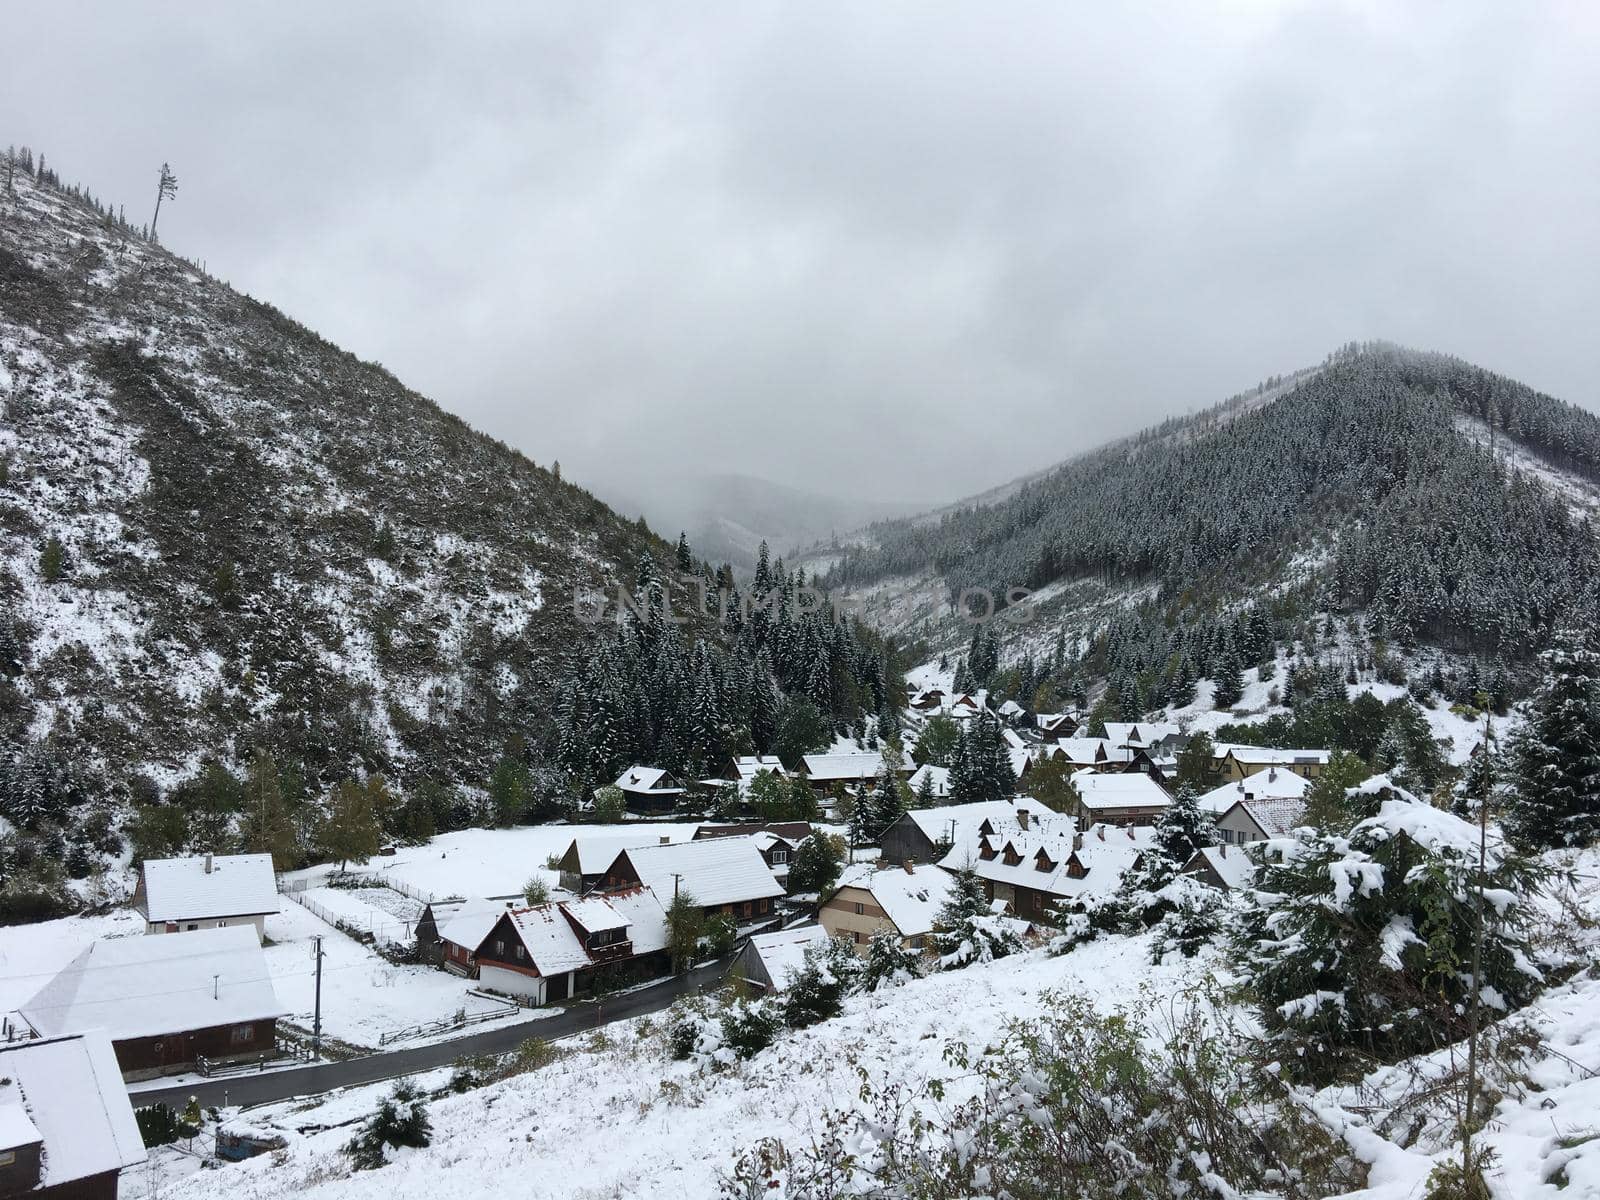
(401, 1122)
(1229, 675)
(967, 930)
(888, 962)
(351, 831)
(1556, 801)
(685, 556)
(268, 827)
(1184, 828)
(829, 972)
(818, 861)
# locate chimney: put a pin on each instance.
(1272, 773)
(911, 867)
(1101, 830)
(1222, 849)
(1022, 819)
(1077, 842)
(208, 862)
(666, 839)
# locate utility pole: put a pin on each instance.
(316, 1019)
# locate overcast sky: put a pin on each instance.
(898, 250)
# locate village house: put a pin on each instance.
(1125, 799)
(1032, 873)
(166, 1002)
(768, 961)
(1240, 762)
(552, 952)
(1092, 754)
(1057, 725)
(649, 790)
(1271, 784)
(66, 1126)
(853, 770)
(583, 865)
(905, 899)
(1257, 820)
(178, 895)
(925, 835)
(1220, 867)
(463, 931)
(725, 876)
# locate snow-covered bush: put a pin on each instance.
(1358, 946)
(750, 1026)
(830, 972)
(400, 1122)
(1073, 1104)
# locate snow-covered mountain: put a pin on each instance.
(218, 530)
(1442, 506)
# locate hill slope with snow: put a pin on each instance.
(218, 530)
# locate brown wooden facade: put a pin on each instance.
(169, 1053)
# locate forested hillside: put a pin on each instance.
(1445, 504)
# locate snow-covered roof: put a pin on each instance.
(783, 953)
(911, 899)
(184, 889)
(1274, 817)
(1133, 790)
(647, 920)
(471, 922)
(147, 986)
(1269, 756)
(645, 779)
(1011, 709)
(1233, 866)
(1093, 750)
(553, 945)
(1270, 784)
(960, 823)
(1139, 733)
(15, 1127)
(847, 767)
(1044, 858)
(752, 765)
(594, 914)
(595, 854)
(69, 1091)
(714, 871)
(937, 775)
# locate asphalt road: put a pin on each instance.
(314, 1078)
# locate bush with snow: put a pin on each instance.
(1358, 946)
(401, 1122)
(829, 973)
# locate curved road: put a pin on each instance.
(309, 1080)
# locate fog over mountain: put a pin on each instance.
(887, 251)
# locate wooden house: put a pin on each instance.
(649, 790)
(552, 952)
(584, 864)
(67, 1129)
(1220, 867)
(1033, 872)
(925, 835)
(725, 876)
(211, 891)
(905, 899)
(166, 1001)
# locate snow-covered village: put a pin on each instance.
(799, 601)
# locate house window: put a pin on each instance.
(779, 857)
(191, 925)
(242, 1034)
(748, 908)
(916, 942)
(7, 1157)
(861, 911)
(855, 935)
(520, 953)
(500, 947)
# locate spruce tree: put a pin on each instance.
(1556, 801)
(1184, 828)
(888, 962)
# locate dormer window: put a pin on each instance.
(1041, 862)
(1012, 857)
(1075, 868)
(986, 851)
